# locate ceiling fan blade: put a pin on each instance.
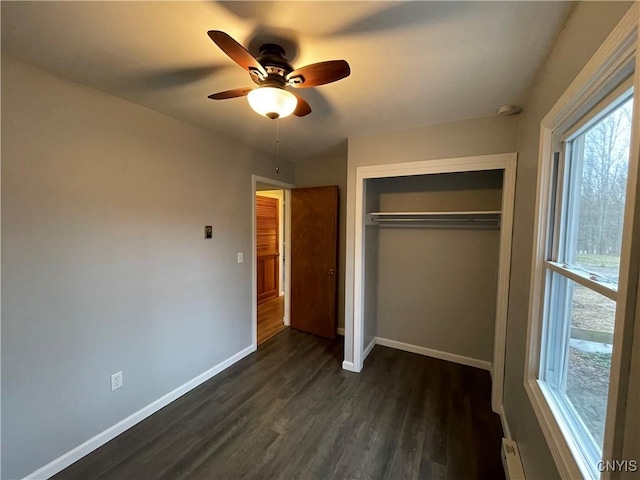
(319, 74)
(236, 52)
(236, 92)
(303, 107)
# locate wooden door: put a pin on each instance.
(314, 260)
(267, 245)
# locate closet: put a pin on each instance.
(432, 272)
(432, 258)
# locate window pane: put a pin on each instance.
(600, 162)
(578, 357)
(589, 363)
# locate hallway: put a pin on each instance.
(270, 318)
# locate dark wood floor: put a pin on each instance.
(270, 318)
(290, 411)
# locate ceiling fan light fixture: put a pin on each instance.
(272, 102)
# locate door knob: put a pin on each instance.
(332, 271)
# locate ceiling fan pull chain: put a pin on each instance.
(277, 145)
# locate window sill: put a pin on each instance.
(563, 449)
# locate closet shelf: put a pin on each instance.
(468, 219)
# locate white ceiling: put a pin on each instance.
(413, 64)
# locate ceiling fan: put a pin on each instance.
(273, 75)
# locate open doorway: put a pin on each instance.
(271, 270)
(270, 260)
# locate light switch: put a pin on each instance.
(208, 231)
(240, 257)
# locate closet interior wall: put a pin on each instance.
(435, 286)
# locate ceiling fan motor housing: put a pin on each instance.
(272, 54)
(272, 58)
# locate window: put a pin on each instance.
(585, 260)
(581, 267)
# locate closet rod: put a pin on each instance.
(467, 224)
(462, 220)
(459, 220)
(438, 226)
(464, 214)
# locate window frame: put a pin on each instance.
(603, 75)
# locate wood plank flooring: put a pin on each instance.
(290, 411)
(270, 315)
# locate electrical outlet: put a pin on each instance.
(116, 381)
(240, 257)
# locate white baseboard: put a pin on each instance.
(367, 350)
(340, 331)
(349, 366)
(505, 426)
(110, 433)
(428, 352)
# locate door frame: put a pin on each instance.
(254, 252)
(507, 162)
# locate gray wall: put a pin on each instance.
(104, 264)
(479, 136)
(330, 168)
(631, 445)
(437, 287)
(442, 192)
(586, 29)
